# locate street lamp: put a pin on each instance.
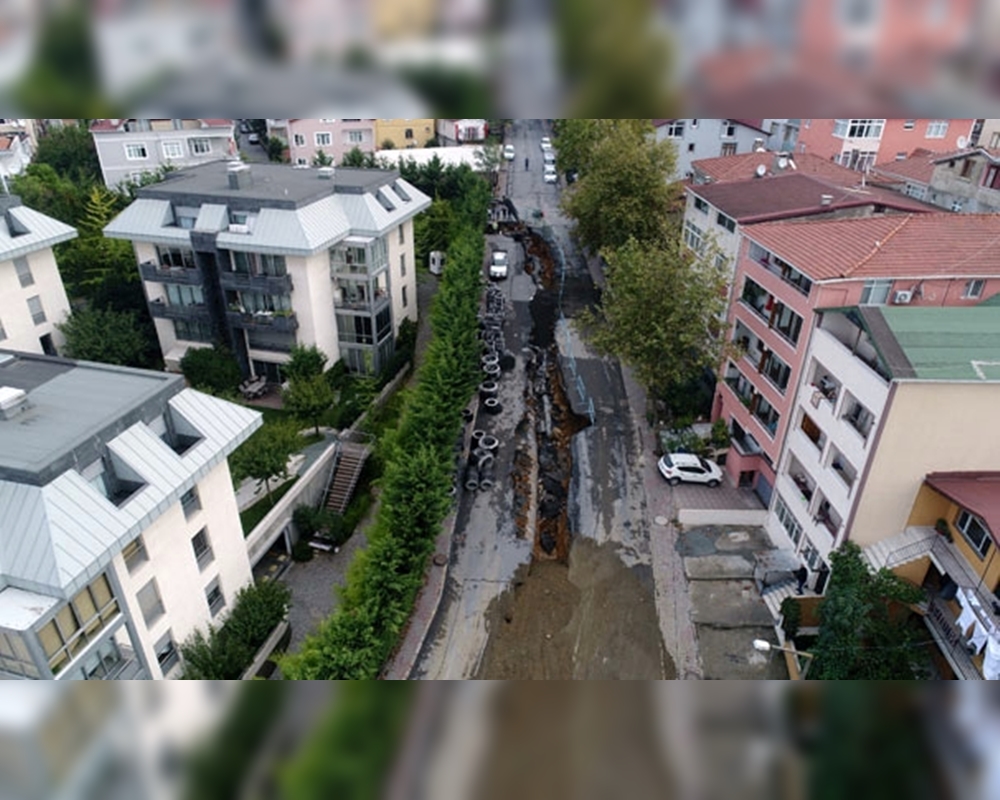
(764, 646)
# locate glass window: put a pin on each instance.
(35, 307)
(202, 549)
(975, 531)
(135, 554)
(408, 133)
(173, 150)
(181, 295)
(201, 147)
(299, 140)
(176, 256)
(355, 137)
(15, 657)
(675, 128)
(725, 222)
(402, 264)
(787, 520)
(973, 289)
(216, 600)
(190, 501)
(136, 152)
(323, 139)
(78, 623)
(193, 330)
(701, 205)
(23, 271)
(694, 237)
(404, 297)
(166, 652)
(937, 129)
(876, 292)
(150, 603)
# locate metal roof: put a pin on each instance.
(148, 221)
(31, 231)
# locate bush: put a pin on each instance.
(302, 552)
(211, 369)
(791, 613)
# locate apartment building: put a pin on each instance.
(862, 143)
(335, 137)
(403, 133)
(131, 148)
(32, 298)
(265, 257)
(966, 181)
(696, 139)
(787, 270)
(120, 535)
(15, 155)
(455, 132)
(757, 164)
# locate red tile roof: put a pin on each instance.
(743, 166)
(793, 195)
(917, 167)
(979, 492)
(893, 246)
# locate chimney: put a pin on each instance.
(239, 175)
(12, 402)
(325, 173)
(825, 199)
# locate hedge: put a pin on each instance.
(383, 580)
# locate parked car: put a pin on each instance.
(508, 152)
(546, 143)
(498, 266)
(254, 138)
(549, 157)
(551, 176)
(687, 467)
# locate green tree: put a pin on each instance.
(860, 635)
(577, 138)
(110, 337)
(71, 152)
(265, 454)
(355, 158)
(488, 159)
(305, 362)
(321, 159)
(211, 369)
(433, 229)
(624, 192)
(308, 398)
(42, 188)
(658, 310)
(388, 144)
(92, 260)
(275, 148)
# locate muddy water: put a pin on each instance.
(576, 611)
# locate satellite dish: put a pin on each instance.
(782, 162)
(761, 170)
(962, 142)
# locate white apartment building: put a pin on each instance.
(32, 298)
(265, 257)
(128, 149)
(120, 534)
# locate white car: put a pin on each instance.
(687, 467)
(546, 143)
(551, 176)
(498, 266)
(508, 152)
(254, 138)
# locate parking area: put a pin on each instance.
(722, 505)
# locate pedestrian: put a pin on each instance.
(801, 575)
(526, 164)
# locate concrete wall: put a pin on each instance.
(395, 129)
(173, 564)
(947, 185)
(312, 300)
(928, 427)
(399, 282)
(117, 168)
(704, 138)
(22, 332)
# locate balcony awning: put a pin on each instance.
(979, 492)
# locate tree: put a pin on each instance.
(657, 311)
(275, 149)
(110, 337)
(388, 144)
(488, 158)
(265, 454)
(305, 362)
(355, 158)
(71, 152)
(308, 398)
(42, 188)
(433, 230)
(624, 192)
(211, 369)
(321, 159)
(860, 635)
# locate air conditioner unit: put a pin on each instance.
(236, 228)
(902, 298)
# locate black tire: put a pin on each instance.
(488, 389)
(674, 481)
(492, 406)
(507, 362)
(713, 483)
(489, 443)
(477, 435)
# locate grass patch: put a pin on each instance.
(252, 516)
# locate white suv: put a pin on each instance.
(498, 266)
(677, 467)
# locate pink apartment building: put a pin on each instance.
(787, 270)
(335, 137)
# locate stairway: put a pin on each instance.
(350, 462)
(775, 595)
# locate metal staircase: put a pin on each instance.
(350, 462)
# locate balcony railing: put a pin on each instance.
(270, 321)
(265, 284)
(160, 309)
(155, 273)
(354, 302)
(787, 273)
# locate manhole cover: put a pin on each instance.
(661, 521)
(440, 560)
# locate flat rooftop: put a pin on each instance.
(74, 407)
(275, 185)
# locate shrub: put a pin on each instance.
(791, 613)
(211, 369)
(302, 552)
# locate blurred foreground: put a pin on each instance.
(479, 741)
(506, 58)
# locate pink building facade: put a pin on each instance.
(335, 137)
(787, 270)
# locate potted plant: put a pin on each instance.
(942, 527)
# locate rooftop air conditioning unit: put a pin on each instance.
(902, 298)
(239, 228)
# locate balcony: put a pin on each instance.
(344, 300)
(828, 517)
(159, 308)
(155, 273)
(843, 469)
(247, 282)
(782, 269)
(280, 322)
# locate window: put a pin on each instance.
(35, 307)
(967, 166)
(787, 520)
(355, 137)
(995, 141)
(858, 128)
(787, 323)
(909, 125)
(324, 139)
(23, 271)
(78, 623)
(135, 554)
(901, 156)
(190, 502)
(858, 417)
(193, 330)
(810, 554)
(975, 532)
(767, 415)
(915, 191)
(202, 549)
(721, 261)
(728, 130)
(725, 222)
(402, 234)
(150, 603)
(936, 129)
(299, 140)
(15, 656)
(402, 264)
(201, 147)
(175, 257)
(184, 296)
(172, 150)
(404, 297)
(166, 652)
(694, 237)
(136, 152)
(216, 600)
(408, 133)
(776, 371)
(701, 205)
(875, 293)
(973, 289)
(3, 333)
(675, 129)
(301, 162)
(728, 149)
(691, 147)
